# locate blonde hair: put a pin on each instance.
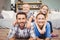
(47, 9)
(43, 6)
(26, 4)
(41, 14)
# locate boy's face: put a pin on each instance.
(40, 20)
(26, 8)
(44, 10)
(21, 19)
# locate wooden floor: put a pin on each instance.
(4, 33)
(56, 31)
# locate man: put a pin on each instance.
(20, 31)
(41, 31)
(26, 9)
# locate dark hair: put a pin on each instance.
(40, 14)
(21, 13)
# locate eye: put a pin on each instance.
(23, 18)
(19, 18)
(43, 18)
(39, 18)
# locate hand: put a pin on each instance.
(28, 25)
(15, 22)
(31, 18)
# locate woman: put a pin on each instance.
(41, 31)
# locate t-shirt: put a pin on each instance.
(18, 33)
(45, 35)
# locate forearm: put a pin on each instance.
(31, 18)
(12, 39)
(43, 31)
(38, 39)
(28, 25)
(44, 28)
(29, 22)
(11, 34)
(31, 38)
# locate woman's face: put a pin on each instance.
(40, 20)
(44, 9)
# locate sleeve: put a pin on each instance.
(48, 33)
(11, 32)
(32, 34)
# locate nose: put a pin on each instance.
(21, 20)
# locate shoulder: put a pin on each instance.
(13, 28)
(47, 25)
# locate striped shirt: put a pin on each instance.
(18, 33)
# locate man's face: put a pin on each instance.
(21, 19)
(26, 8)
(44, 10)
(40, 20)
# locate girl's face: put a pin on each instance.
(44, 9)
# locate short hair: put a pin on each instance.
(25, 4)
(40, 14)
(21, 13)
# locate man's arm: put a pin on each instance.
(32, 34)
(11, 33)
(31, 38)
(12, 38)
(29, 22)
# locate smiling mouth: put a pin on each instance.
(20, 23)
(41, 22)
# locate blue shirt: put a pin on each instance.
(45, 35)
